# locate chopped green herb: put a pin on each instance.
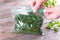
(51, 25)
(30, 24)
(58, 23)
(55, 29)
(50, 2)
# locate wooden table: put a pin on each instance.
(7, 23)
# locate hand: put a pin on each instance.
(36, 4)
(52, 13)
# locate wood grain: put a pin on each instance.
(7, 23)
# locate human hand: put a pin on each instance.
(52, 13)
(36, 4)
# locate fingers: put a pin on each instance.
(37, 6)
(48, 16)
(51, 16)
(33, 2)
(49, 10)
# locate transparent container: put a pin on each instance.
(26, 21)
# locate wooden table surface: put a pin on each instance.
(7, 23)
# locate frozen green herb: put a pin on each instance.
(30, 24)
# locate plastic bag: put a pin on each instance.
(26, 21)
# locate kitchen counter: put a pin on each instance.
(7, 23)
